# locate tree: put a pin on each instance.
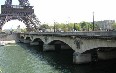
(44, 26)
(23, 30)
(84, 26)
(78, 27)
(70, 26)
(114, 26)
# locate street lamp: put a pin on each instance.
(88, 27)
(74, 27)
(93, 21)
(54, 27)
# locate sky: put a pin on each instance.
(66, 11)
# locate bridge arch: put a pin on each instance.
(64, 40)
(60, 45)
(38, 40)
(22, 37)
(28, 38)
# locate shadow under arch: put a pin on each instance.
(40, 43)
(60, 45)
(38, 40)
(22, 37)
(28, 38)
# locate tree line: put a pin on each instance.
(82, 26)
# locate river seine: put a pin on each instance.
(20, 58)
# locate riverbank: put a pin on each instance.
(7, 39)
(8, 42)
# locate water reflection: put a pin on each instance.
(27, 59)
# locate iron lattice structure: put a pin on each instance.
(23, 12)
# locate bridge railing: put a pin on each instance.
(92, 33)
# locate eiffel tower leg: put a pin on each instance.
(29, 29)
(23, 12)
(32, 23)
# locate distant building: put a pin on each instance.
(105, 24)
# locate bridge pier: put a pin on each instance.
(26, 41)
(65, 47)
(79, 58)
(21, 40)
(47, 47)
(34, 43)
(55, 47)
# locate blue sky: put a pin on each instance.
(65, 11)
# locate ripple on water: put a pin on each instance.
(24, 59)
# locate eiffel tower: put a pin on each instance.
(23, 12)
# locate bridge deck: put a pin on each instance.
(90, 34)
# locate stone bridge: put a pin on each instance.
(87, 46)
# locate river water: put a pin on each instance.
(20, 58)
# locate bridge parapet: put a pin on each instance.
(111, 34)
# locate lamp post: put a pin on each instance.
(74, 27)
(93, 21)
(54, 26)
(88, 27)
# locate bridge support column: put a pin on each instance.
(21, 40)
(26, 41)
(57, 47)
(34, 43)
(106, 55)
(48, 47)
(79, 58)
(65, 47)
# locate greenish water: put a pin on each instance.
(19, 58)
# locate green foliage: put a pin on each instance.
(86, 26)
(23, 30)
(44, 26)
(82, 26)
(114, 26)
